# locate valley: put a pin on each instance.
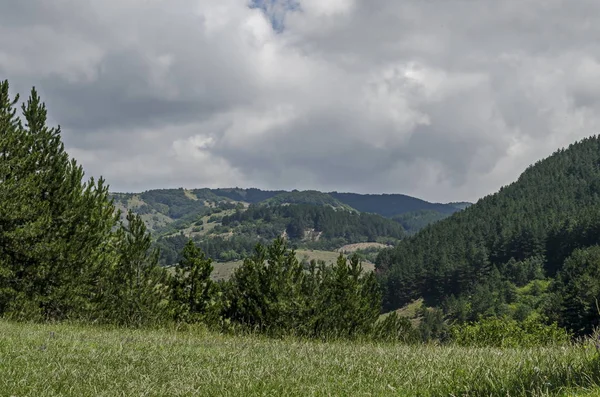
(228, 223)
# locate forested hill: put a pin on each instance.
(227, 223)
(161, 209)
(390, 205)
(525, 233)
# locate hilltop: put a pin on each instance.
(228, 222)
(161, 207)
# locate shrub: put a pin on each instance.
(395, 328)
(506, 332)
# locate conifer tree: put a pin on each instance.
(137, 292)
(265, 293)
(193, 291)
(53, 226)
(349, 303)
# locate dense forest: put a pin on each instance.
(390, 205)
(528, 249)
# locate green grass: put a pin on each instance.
(318, 255)
(71, 360)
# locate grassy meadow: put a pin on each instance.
(74, 360)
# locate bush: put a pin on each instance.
(395, 328)
(506, 332)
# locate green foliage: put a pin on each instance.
(577, 292)
(395, 328)
(506, 332)
(329, 223)
(272, 293)
(137, 291)
(345, 302)
(53, 226)
(307, 197)
(433, 325)
(389, 205)
(172, 203)
(265, 292)
(193, 292)
(251, 195)
(414, 221)
(482, 254)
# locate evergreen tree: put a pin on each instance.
(349, 301)
(193, 291)
(137, 291)
(577, 292)
(53, 226)
(265, 293)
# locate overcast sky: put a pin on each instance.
(440, 99)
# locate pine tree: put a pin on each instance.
(350, 301)
(9, 218)
(265, 293)
(137, 292)
(193, 291)
(53, 226)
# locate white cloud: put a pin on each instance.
(444, 99)
(327, 8)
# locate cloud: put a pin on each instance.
(443, 99)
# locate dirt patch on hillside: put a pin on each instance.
(361, 246)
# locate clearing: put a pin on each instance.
(224, 270)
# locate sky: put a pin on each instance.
(446, 100)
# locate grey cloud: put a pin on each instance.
(443, 99)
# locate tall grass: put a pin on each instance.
(72, 360)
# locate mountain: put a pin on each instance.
(228, 222)
(163, 207)
(506, 254)
(389, 205)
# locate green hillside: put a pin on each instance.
(175, 204)
(311, 197)
(228, 222)
(229, 235)
(506, 254)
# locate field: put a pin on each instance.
(223, 270)
(361, 246)
(71, 360)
